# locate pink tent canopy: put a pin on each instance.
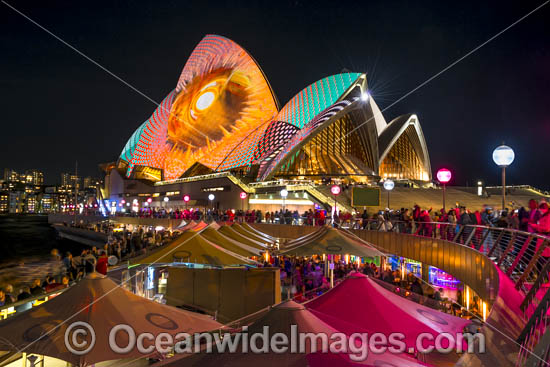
(359, 304)
(199, 226)
(184, 226)
(279, 319)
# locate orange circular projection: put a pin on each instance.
(218, 103)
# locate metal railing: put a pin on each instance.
(518, 254)
(26, 304)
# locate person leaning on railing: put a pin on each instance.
(542, 227)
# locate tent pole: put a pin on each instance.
(332, 271)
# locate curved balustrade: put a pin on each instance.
(505, 267)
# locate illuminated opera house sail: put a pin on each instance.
(223, 116)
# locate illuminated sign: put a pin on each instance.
(219, 188)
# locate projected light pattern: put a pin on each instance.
(242, 154)
(256, 144)
(270, 166)
(221, 96)
(307, 104)
(301, 108)
(223, 115)
(276, 135)
(130, 146)
(146, 146)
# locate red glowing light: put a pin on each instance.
(149, 200)
(335, 190)
(186, 198)
(242, 195)
(444, 175)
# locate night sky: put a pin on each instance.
(58, 108)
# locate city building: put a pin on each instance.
(88, 182)
(26, 193)
(4, 201)
(47, 203)
(30, 204)
(34, 177)
(70, 180)
(16, 203)
(10, 175)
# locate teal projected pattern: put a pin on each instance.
(307, 104)
(130, 146)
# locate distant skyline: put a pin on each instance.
(47, 180)
(60, 108)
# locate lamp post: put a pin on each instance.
(166, 199)
(149, 201)
(444, 176)
(186, 199)
(243, 196)
(211, 197)
(388, 186)
(284, 194)
(503, 156)
(335, 191)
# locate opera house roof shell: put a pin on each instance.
(223, 115)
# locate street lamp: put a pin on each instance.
(388, 186)
(503, 156)
(444, 176)
(243, 196)
(211, 197)
(186, 199)
(284, 194)
(335, 191)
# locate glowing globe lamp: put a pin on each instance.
(186, 198)
(335, 190)
(444, 175)
(503, 156)
(211, 197)
(389, 185)
(242, 195)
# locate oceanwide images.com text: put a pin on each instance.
(80, 339)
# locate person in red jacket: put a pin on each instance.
(101, 266)
(542, 227)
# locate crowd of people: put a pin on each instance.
(57, 272)
(535, 218)
(416, 220)
(303, 279)
(60, 275)
(298, 277)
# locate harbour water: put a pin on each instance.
(29, 238)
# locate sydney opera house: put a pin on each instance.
(223, 116)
